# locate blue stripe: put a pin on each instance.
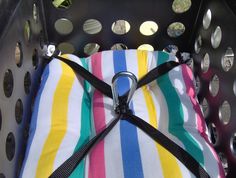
(132, 164)
(35, 116)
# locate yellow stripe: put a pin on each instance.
(168, 161)
(58, 122)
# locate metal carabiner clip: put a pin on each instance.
(131, 91)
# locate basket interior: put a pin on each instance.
(205, 29)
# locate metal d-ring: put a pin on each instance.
(131, 91)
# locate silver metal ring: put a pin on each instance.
(131, 91)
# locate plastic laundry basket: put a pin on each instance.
(205, 29)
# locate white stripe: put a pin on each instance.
(107, 73)
(43, 119)
(107, 66)
(86, 171)
(131, 62)
(91, 93)
(159, 101)
(161, 108)
(113, 155)
(74, 58)
(151, 58)
(149, 155)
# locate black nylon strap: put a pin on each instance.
(156, 72)
(101, 86)
(64, 170)
(105, 88)
(168, 144)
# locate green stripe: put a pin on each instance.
(176, 116)
(85, 130)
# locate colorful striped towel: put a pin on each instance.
(68, 112)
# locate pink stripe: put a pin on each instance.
(188, 79)
(97, 162)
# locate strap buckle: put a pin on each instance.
(119, 105)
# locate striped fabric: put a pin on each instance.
(68, 112)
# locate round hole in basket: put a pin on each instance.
(2, 175)
(198, 44)
(205, 63)
(8, 83)
(173, 49)
(27, 31)
(91, 48)
(66, 48)
(181, 6)
(35, 13)
(146, 47)
(225, 112)
(27, 82)
(234, 87)
(148, 28)
(92, 26)
(120, 27)
(224, 162)
(119, 46)
(18, 54)
(216, 37)
(175, 29)
(206, 22)
(19, 111)
(62, 4)
(228, 59)
(213, 133)
(214, 85)
(233, 144)
(63, 26)
(205, 107)
(35, 59)
(10, 146)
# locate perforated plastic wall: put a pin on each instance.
(135, 12)
(29, 24)
(20, 70)
(216, 70)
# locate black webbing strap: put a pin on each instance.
(100, 85)
(64, 170)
